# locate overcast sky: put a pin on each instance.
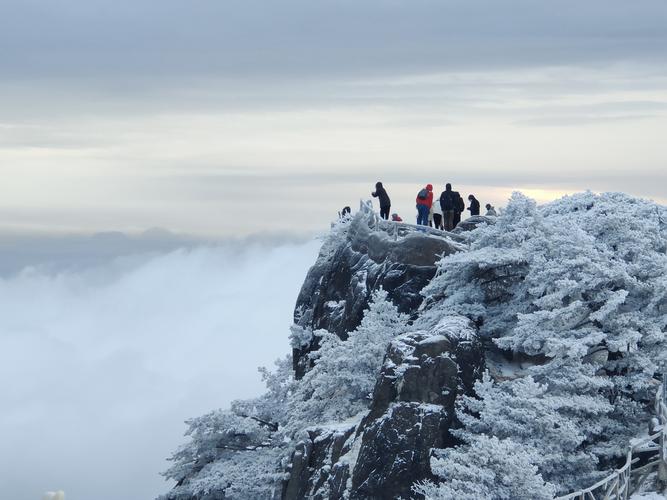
(218, 117)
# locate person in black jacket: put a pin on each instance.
(385, 203)
(474, 205)
(449, 206)
(460, 207)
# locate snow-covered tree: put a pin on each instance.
(339, 384)
(228, 440)
(487, 468)
(237, 451)
(551, 421)
(585, 272)
(247, 474)
(558, 283)
(240, 451)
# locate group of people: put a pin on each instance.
(444, 213)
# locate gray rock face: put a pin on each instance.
(338, 287)
(316, 470)
(413, 407)
(395, 450)
(412, 411)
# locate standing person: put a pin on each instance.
(490, 211)
(460, 207)
(436, 214)
(385, 203)
(474, 205)
(449, 206)
(424, 202)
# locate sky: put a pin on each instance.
(217, 118)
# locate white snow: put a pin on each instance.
(432, 340)
(454, 327)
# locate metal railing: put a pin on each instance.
(644, 458)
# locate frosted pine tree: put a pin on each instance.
(536, 417)
(579, 286)
(342, 378)
(488, 468)
(237, 451)
(223, 448)
(240, 451)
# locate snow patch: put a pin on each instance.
(454, 327)
(350, 459)
(435, 339)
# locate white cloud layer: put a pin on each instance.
(101, 365)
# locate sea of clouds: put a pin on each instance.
(101, 362)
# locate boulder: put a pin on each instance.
(473, 222)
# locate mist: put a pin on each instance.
(101, 364)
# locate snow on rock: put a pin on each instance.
(411, 411)
(453, 327)
(473, 223)
(356, 260)
(319, 466)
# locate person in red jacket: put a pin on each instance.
(424, 202)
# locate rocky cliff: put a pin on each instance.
(379, 453)
(412, 405)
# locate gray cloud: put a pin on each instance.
(59, 253)
(252, 38)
